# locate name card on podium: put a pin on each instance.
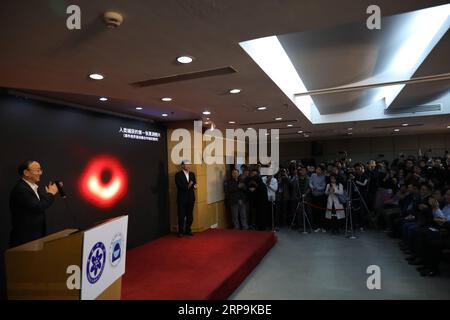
(104, 253)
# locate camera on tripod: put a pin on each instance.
(301, 204)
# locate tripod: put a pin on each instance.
(304, 215)
(272, 205)
(348, 210)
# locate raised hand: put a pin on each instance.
(51, 188)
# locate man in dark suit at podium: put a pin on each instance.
(28, 204)
(186, 184)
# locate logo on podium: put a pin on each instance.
(96, 262)
(116, 250)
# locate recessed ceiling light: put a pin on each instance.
(96, 76)
(231, 122)
(166, 99)
(404, 125)
(301, 131)
(165, 115)
(278, 119)
(185, 59)
(396, 130)
(289, 125)
(235, 91)
(103, 99)
(349, 133)
(349, 129)
(138, 108)
(206, 113)
(306, 135)
(448, 127)
(262, 108)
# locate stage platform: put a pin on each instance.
(208, 265)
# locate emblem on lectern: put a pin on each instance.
(116, 249)
(96, 262)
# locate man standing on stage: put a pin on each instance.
(28, 204)
(186, 184)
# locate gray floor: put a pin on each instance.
(325, 266)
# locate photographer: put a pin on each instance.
(235, 194)
(284, 198)
(359, 193)
(339, 172)
(258, 201)
(272, 187)
(317, 183)
(372, 173)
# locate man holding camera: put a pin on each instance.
(28, 204)
(235, 190)
(359, 194)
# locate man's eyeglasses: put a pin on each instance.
(36, 171)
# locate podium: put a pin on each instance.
(70, 264)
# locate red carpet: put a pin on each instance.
(209, 265)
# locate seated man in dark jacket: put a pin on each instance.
(421, 217)
(434, 247)
(407, 209)
(429, 242)
(28, 204)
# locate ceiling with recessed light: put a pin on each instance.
(326, 41)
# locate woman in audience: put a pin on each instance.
(335, 209)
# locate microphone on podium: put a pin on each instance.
(60, 189)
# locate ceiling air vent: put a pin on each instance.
(398, 126)
(185, 76)
(294, 133)
(276, 122)
(424, 108)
